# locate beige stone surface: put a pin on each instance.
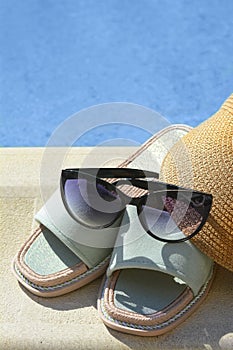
(71, 321)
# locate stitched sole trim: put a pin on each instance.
(158, 327)
(61, 285)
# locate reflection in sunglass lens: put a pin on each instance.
(186, 216)
(171, 218)
(90, 203)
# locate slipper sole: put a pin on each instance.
(64, 287)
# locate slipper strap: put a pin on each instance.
(90, 245)
(134, 248)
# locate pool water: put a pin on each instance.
(58, 57)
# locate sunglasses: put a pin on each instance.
(96, 198)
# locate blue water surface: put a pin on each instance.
(58, 57)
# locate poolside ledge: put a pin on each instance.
(71, 321)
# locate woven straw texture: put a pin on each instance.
(203, 160)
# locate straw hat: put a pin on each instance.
(203, 160)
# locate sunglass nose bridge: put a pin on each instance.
(125, 181)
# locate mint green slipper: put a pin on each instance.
(55, 259)
(151, 286)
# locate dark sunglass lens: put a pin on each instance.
(92, 204)
(172, 217)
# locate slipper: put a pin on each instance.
(151, 286)
(51, 262)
